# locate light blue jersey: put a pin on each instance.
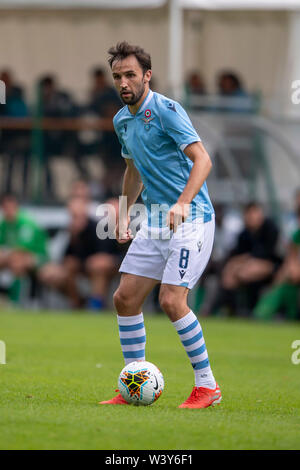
(155, 138)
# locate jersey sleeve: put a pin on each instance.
(176, 123)
(124, 151)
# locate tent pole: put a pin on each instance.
(175, 72)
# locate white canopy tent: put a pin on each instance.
(189, 4)
(176, 9)
(101, 4)
(241, 4)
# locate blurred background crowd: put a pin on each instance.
(60, 159)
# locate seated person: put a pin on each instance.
(253, 261)
(283, 297)
(58, 103)
(14, 143)
(23, 244)
(230, 86)
(85, 254)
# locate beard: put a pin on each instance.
(133, 98)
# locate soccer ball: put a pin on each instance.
(141, 383)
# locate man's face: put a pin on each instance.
(78, 210)
(10, 209)
(254, 218)
(130, 81)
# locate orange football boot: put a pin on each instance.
(117, 400)
(202, 397)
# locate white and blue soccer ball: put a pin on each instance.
(141, 383)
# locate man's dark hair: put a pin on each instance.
(123, 50)
(235, 79)
(47, 80)
(252, 205)
(98, 72)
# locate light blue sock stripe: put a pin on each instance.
(126, 341)
(201, 364)
(138, 326)
(197, 352)
(189, 342)
(188, 328)
(134, 354)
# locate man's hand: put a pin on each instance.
(123, 232)
(177, 214)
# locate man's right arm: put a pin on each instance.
(131, 189)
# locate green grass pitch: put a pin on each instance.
(59, 365)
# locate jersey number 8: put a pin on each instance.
(184, 258)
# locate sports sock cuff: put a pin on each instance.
(130, 320)
(185, 321)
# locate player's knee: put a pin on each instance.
(123, 301)
(169, 302)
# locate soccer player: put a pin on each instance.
(165, 156)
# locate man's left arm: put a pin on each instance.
(200, 170)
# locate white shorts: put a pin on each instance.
(177, 259)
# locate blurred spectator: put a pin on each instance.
(83, 189)
(283, 297)
(290, 218)
(195, 88)
(104, 99)
(235, 98)
(104, 102)
(86, 255)
(55, 103)
(252, 262)
(23, 245)
(195, 84)
(15, 144)
(227, 228)
(15, 105)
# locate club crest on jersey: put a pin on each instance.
(147, 119)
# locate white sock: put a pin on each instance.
(132, 337)
(191, 336)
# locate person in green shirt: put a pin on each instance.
(23, 244)
(284, 295)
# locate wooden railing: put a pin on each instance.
(67, 124)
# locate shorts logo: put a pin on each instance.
(199, 245)
(182, 273)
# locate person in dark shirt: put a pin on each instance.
(253, 260)
(104, 102)
(283, 296)
(230, 86)
(58, 103)
(86, 255)
(14, 143)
